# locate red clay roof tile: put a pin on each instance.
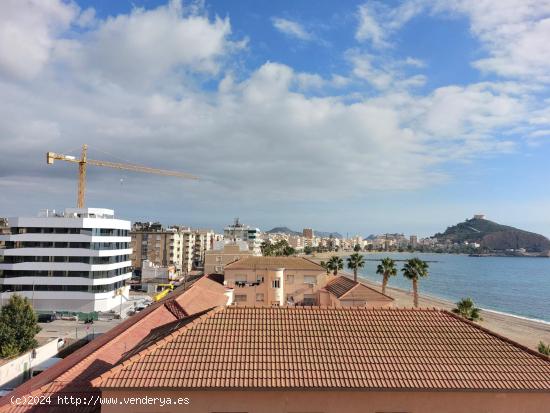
(239, 347)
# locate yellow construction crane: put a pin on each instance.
(83, 162)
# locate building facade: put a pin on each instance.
(224, 253)
(238, 231)
(74, 261)
(182, 247)
(275, 281)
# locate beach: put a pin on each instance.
(526, 331)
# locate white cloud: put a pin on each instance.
(411, 61)
(369, 28)
(291, 28)
(28, 32)
(147, 45)
(259, 137)
(382, 73)
(377, 21)
(514, 33)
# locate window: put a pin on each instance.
(240, 277)
(240, 298)
(310, 279)
(309, 299)
(259, 297)
(290, 279)
(276, 283)
(219, 258)
(218, 268)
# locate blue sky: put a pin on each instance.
(354, 116)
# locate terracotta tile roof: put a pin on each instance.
(205, 294)
(345, 288)
(336, 348)
(73, 374)
(289, 263)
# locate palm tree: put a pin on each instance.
(335, 263)
(414, 269)
(355, 261)
(544, 348)
(386, 269)
(465, 308)
(325, 266)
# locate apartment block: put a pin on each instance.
(77, 260)
(238, 231)
(307, 233)
(223, 253)
(163, 247)
(275, 281)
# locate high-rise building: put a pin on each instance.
(163, 247)
(238, 231)
(413, 241)
(307, 233)
(204, 241)
(73, 261)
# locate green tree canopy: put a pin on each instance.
(386, 269)
(544, 348)
(466, 308)
(335, 264)
(18, 326)
(414, 269)
(355, 262)
(279, 248)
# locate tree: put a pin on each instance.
(335, 263)
(465, 308)
(355, 261)
(18, 326)
(278, 249)
(414, 269)
(267, 248)
(544, 348)
(357, 248)
(386, 269)
(308, 250)
(325, 266)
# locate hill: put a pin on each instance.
(286, 230)
(494, 236)
(283, 230)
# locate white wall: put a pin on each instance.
(12, 371)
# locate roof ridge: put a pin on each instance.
(161, 303)
(497, 335)
(98, 380)
(371, 288)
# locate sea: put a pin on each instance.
(518, 286)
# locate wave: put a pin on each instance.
(536, 320)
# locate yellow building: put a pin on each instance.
(275, 280)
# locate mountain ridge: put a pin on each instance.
(288, 231)
(494, 236)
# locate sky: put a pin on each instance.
(349, 116)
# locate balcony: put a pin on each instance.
(242, 284)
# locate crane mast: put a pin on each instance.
(83, 163)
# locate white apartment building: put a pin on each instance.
(74, 261)
(238, 231)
